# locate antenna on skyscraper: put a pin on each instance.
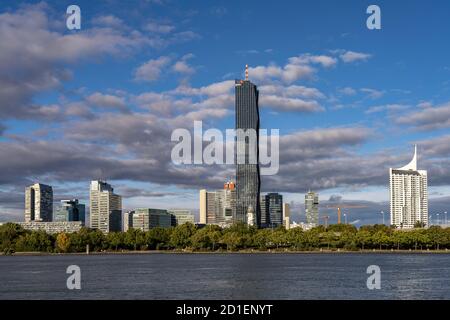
(246, 72)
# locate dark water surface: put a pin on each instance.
(226, 276)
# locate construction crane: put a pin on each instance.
(344, 206)
(326, 220)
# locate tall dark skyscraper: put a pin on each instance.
(274, 208)
(247, 173)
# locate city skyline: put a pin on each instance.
(337, 95)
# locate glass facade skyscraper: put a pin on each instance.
(247, 167)
(312, 208)
(70, 210)
(274, 207)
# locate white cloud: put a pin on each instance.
(288, 74)
(290, 104)
(387, 107)
(182, 66)
(372, 93)
(109, 21)
(348, 91)
(214, 89)
(325, 61)
(352, 56)
(291, 91)
(159, 27)
(107, 101)
(151, 70)
(430, 118)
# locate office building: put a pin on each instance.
(52, 227)
(127, 220)
(148, 218)
(408, 195)
(312, 208)
(286, 216)
(247, 167)
(265, 216)
(105, 207)
(218, 207)
(250, 216)
(38, 203)
(70, 210)
(203, 206)
(181, 216)
(274, 207)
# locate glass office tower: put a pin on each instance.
(247, 167)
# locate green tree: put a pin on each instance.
(9, 233)
(115, 240)
(181, 235)
(419, 224)
(363, 239)
(62, 242)
(437, 236)
(79, 240)
(295, 237)
(380, 239)
(233, 240)
(135, 239)
(96, 240)
(158, 238)
(34, 241)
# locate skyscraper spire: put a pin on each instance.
(413, 164)
(246, 72)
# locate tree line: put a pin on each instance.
(13, 238)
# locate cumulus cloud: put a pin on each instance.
(156, 27)
(291, 91)
(182, 66)
(352, 56)
(347, 91)
(151, 70)
(325, 61)
(214, 89)
(107, 101)
(373, 93)
(290, 104)
(288, 74)
(430, 118)
(43, 63)
(109, 21)
(388, 108)
(436, 147)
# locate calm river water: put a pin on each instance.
(226, 276)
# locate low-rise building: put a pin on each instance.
(148, 218)
(52, 227)
(181, 216)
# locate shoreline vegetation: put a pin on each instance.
(150, 252)
(239, 238)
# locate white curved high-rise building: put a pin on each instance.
(409, 195)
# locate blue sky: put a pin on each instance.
(101, 102)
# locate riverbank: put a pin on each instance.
(144, 252)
